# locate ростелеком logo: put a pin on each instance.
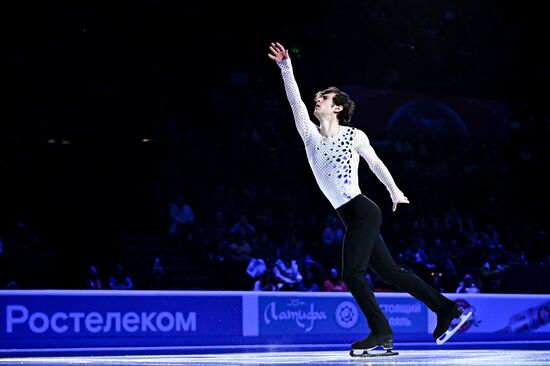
(346, 314)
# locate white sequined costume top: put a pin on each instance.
(334, 160)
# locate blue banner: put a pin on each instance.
(69, 319)
(118, 318)
(335, 315)
(504, 315)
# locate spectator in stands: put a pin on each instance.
(266, 282)
(181, 219)
(120, 280)
(242, 228)
(334, 283)
(239, 251)
(20, 238)
(309, 284)
(256, 268)
(287, 273)
(263, 276)
(467, 285)
(216, 229)
(332, 232)
(491, 273)
(93, 279)
(11, 285)
(157, 275)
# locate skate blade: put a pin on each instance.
(366, 353)
(449, 333)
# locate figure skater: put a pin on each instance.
(333, 150)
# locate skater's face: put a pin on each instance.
(324, 106)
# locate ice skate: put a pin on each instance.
(443, 332)
(361, 348)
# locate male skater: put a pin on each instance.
(333, 150)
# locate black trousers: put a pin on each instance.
(363, 248)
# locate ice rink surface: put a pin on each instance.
(471, 356)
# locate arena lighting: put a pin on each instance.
(62, 142)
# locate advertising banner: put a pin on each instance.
(107, 318)
(67, 319)
(335, 315)
(502, 315)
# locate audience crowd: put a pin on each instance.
(207, 164)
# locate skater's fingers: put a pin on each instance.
(403, 200)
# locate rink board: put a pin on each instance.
(37, 319)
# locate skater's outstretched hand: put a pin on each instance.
(402, 200)
(278, 52)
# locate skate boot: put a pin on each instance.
(361, 348)
(442, 332)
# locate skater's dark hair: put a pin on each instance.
(341, 99)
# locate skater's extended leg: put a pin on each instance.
(384, 265)
(446, 310)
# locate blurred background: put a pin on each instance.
(149, 144)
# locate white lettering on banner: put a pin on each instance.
(56, 327)
(186, 325)
(401, 308)
(40, 318)
(11, 319)
(147, 322)
(400, 322)
(77, 317)
(299, 316)
(94, 322)
(109, 321)
(171, 321)
(130, 322)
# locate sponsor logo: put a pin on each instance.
(346, 314)
(297, 311)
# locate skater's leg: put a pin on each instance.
(384, 265)
(362, 219)
(446, 310)
(356, 254)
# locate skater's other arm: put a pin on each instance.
(301, 115)
(365, 149)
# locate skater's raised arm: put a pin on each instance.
(365, 149)
(301, 115)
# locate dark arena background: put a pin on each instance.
(157, 205)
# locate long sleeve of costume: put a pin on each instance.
(334, 160)
(299, 110)
(365, 149)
